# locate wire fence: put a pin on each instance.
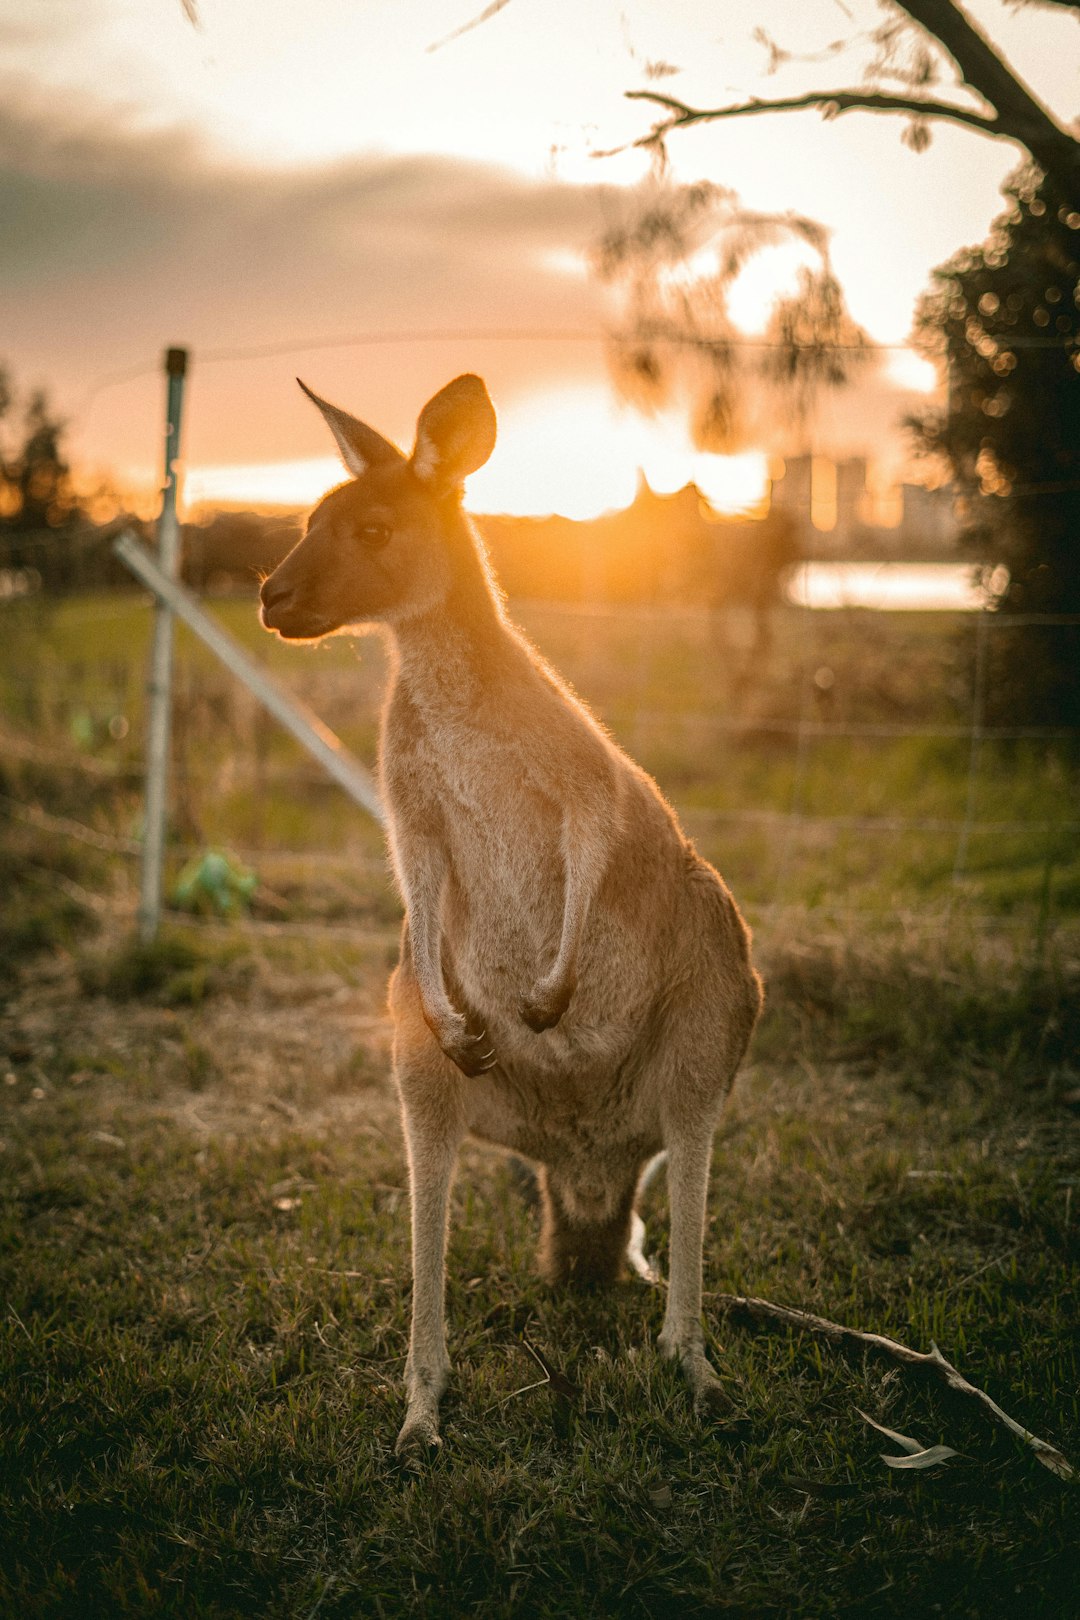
(824, 760)
(929, 811)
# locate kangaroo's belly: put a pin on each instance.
(563, 1117)
(583, 1087)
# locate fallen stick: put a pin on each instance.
(763, 1310)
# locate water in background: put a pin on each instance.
(925, 587)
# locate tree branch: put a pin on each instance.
(976, 61)
(1017, 114)
(484, 16)
(1020, 114)
(932, 1361)
(830, 101)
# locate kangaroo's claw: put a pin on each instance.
(472, 1053)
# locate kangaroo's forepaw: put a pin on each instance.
(544, 1005)
(468, 1047)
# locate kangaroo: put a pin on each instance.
(574, 981)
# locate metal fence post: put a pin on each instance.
(306, 727)
(159, 683)
(978, 721)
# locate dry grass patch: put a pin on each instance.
(204, 1250)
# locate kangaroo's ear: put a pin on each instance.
(361, 447)
(455, 434)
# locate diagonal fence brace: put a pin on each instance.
(320, 742)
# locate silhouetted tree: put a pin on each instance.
(1004, 318)
(37, 502)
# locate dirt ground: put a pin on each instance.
(270, 1047)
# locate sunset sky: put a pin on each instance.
(284, 176)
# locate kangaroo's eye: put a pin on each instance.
(375, 534)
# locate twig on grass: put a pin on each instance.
(525, 1389)
(563, 1388)
(13, 1316)
(763, 1310)
(995, 1260)
(196, 1262)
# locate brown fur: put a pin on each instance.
(585, 1253)
(574, 982)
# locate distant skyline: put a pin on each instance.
(287, 173)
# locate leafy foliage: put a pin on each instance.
(35, 483)
(1005, 320)
(44, 537)
(671, 265)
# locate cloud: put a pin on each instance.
(50, 22)
(118, 241)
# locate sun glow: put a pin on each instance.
(912, 371)
(556, 452)
(769, 275)
(575, 452)
(273, 483)
(572, 451)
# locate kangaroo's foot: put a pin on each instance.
(711, 1400)
(419, 1439)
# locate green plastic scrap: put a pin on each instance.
(214, 883)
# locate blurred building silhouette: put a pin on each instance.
(845, 509)
(662, 548)
(678, 548)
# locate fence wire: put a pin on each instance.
(706, 738)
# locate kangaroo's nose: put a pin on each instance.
(275, 597)
(273, 592)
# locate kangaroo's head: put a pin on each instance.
(385, 545)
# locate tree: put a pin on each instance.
(1010, 432)
(35, 481)
(37, 502)
(1005, 320)
(670, 264)
(914, 40)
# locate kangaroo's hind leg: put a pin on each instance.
(682, 1336)
(433, 1122)
(706, 1039)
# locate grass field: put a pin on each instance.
(204, 1227)
(869, 821)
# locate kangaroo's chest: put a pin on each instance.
(499, 831)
